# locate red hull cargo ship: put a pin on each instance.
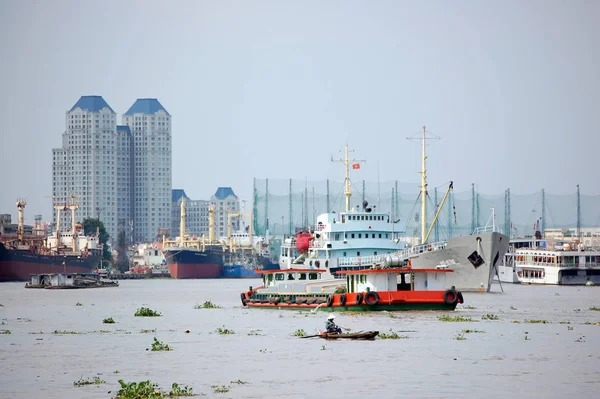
(193, 263)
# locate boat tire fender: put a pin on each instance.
(359, 298)
(372, 298)
(343, 299)
(243, 296)
(450, 297)
(460, 297)
(329, 301)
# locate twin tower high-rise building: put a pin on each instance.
(120, 174)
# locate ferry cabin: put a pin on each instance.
(357, 237)
(557, 267)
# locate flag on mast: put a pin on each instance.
(355, 166)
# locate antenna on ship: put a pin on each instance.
(423, 173)
(355, 165)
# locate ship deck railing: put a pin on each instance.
(405, 254)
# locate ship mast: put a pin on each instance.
(423, 174)
(73, 207)
(211, 223)
(423, 192)
(182, 222)
(21, 226)
(347, 189)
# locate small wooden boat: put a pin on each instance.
(367, 335)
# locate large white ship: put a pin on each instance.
(545, 261)
(363, 238)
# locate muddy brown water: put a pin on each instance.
(555, 360)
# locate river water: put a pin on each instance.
(554, 361)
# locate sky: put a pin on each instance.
(272, 89)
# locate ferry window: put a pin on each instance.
(375, 253)
(279, 277)
(290, 276)
(373, 236)
(312, 276)
(387, 235)
(357, 253)
(344, 253)
(337, 236)
(270, 277)
(362, 217)
(359, 235)
(352, 236)
(302, 276)
(379, 235)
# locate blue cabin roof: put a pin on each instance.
(91, 104)
(146, 106)
(224, 192)
(177, 193)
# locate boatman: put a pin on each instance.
(330, 326)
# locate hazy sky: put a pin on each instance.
(273, 89)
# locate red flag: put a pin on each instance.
(355, 166)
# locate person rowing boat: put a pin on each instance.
(330, 325)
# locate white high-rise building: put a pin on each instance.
(225, 202)
(86, 165)
(150, 126)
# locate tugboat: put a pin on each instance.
(381, 288)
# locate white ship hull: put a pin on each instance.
(455, 255)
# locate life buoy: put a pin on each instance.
(343, 299)
(460, 297)
(450, 297)
(372, 298)
(359, 297)
(329, 301)
(243, 296)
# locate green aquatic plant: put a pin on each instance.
(149, 390)
(595, 308)
(160, 346)
(460, 337)
(569, 328)
(472, 331)
(221, 388)
(489, 317)
(454, 319)
(148, 331)
(207, 305)
(108, 321)
(224, 331)
(5, 332)
(537, 321)
(391, 335)
(146, 312)
(89, 381)
(254, 332)
(78, 304)
(240, 382)
(564, 322)
(64, 332)
(323, 347)
(512, 308)
(468, 307)
(101, 332)
(298, 333)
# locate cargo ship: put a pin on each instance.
(22, 255)
(229, 257)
